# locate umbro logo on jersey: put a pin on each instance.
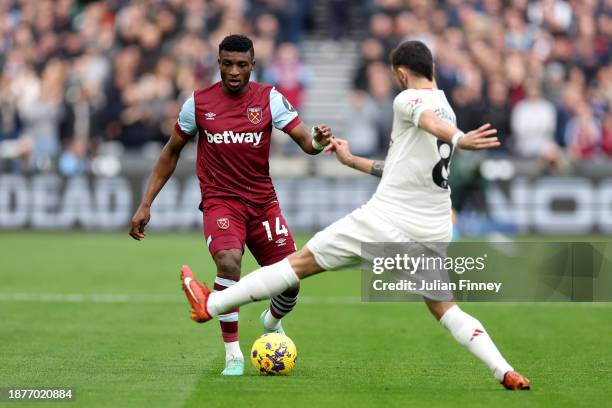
(210, 115)
(228, 137)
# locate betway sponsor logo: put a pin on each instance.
(229, 136)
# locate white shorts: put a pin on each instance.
(339, 245)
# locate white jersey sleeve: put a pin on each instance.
(409, 105)
(283, 113)
(186, 120)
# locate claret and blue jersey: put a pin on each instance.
(234, 139)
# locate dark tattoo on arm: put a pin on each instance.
(377, 168)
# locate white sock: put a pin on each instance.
(232, 351)
(260, 284)
(469, 332)
(270, 321)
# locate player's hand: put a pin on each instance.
(481, 138)
(322, 134)
(139, 221)
(341, 148)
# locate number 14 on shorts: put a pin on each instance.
(279, 228)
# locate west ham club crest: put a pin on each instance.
(223, 223)
(254, 114)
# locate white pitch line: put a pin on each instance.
(178, 299)
(143, 298)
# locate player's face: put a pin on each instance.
(235, 70)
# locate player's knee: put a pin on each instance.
(303, 263)
(228, 263)
(438, 308)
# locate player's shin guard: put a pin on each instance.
(228, 322)
(468, 331)
(261, 284)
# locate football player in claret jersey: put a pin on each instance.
(411, 204)
(233, 119)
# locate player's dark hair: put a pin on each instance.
(415, 56)
(237, 43)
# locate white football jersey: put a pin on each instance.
(414, 194)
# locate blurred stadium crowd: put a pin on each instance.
(76, 75)
(80, 76)
(539, 71)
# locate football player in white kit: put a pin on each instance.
(412, 204)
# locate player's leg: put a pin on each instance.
(469, 332)
(280, 306)
(225, 231)
(270, 241)
(265, 282)
(228, 262)
(336, 246)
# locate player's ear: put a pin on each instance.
(403, 75)
(399, 76)
(253, 64)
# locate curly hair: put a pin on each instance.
(237, 43)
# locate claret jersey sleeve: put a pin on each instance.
(410, 105)
(186, 125)
(284, 115)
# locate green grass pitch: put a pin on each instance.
(105, 315)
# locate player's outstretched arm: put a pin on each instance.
(311, 143)
(481, 138)
(165, 166)
(344, 156)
